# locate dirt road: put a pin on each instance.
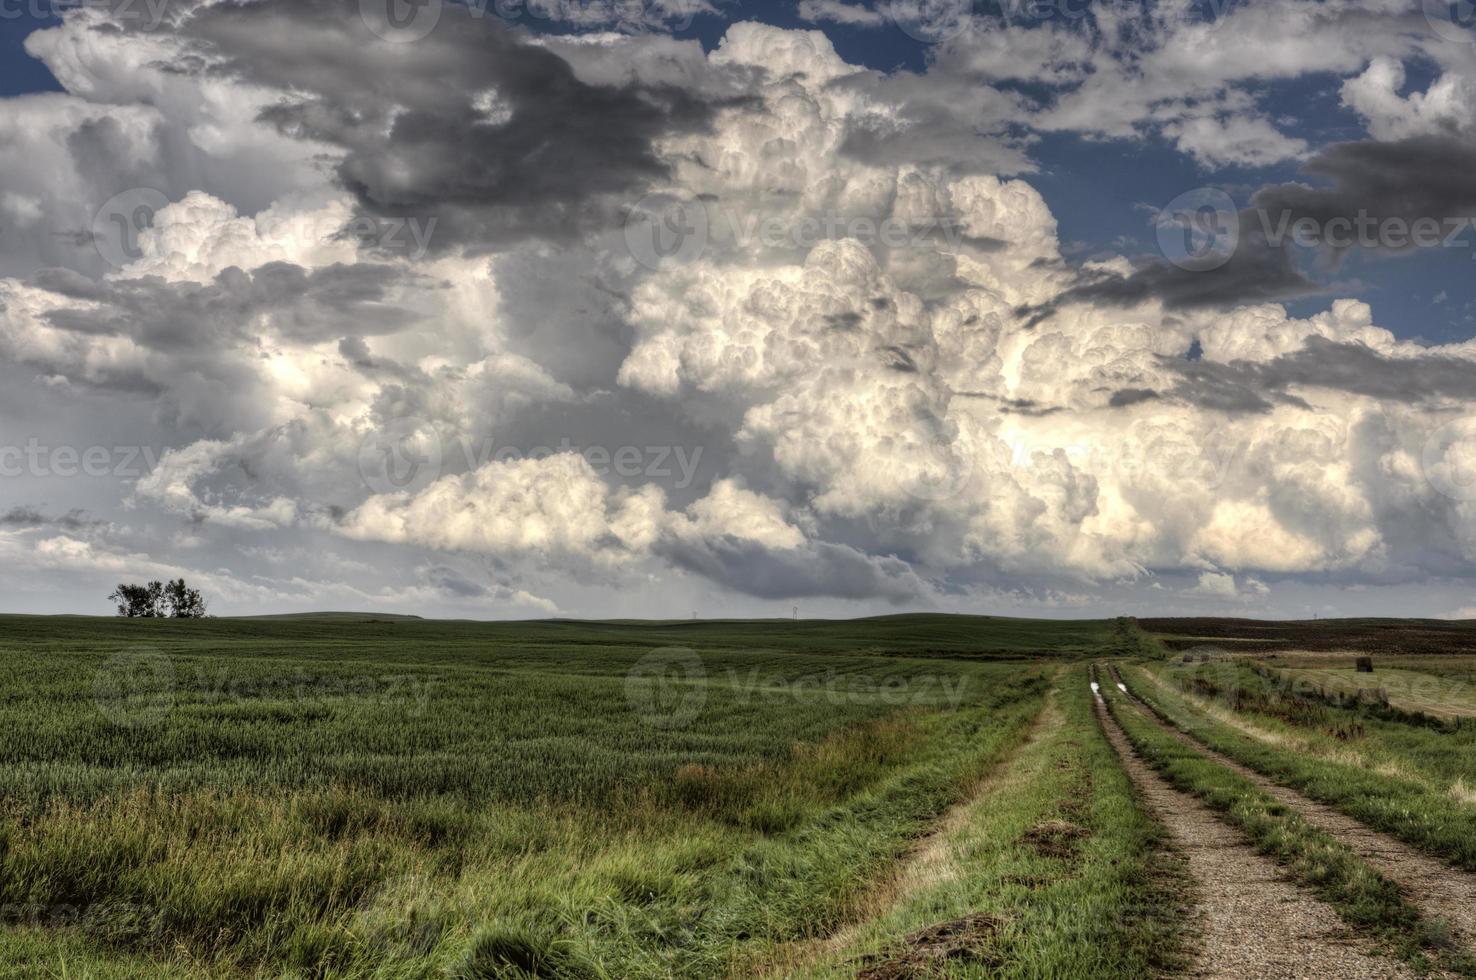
(1252, 921)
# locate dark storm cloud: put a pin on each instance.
(493, 137)
(1013, 406)
(1243, 386)
(307, 306)
(453, 583)
(1258, 271)
(27, 516)
(815, 569)
(1374, 196)
(104, 154)
(1429, 178)
(1131, 396)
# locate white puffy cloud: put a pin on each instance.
(139, 115)
(734, 511)
(550, 506)
(1193, 72)
(900, 390)
(880, 420)
(1446, 107)
(199, 237)
(840, 12)
(1237, 140)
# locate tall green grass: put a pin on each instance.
(341, 799)
(1055, 865)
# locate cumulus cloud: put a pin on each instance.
(868, 376)
(839, 12)
(1445, 108)
(1191, 73)
(487, 134)
(1239, 140)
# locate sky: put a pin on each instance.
(661, 308)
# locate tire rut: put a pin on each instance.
(1436, 888)
(926, 862)
(1251, 921)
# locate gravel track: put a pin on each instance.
(1251, 921)
(1436, 888)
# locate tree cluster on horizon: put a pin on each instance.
(159, 600)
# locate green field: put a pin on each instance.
(389, 797)
(348, 796)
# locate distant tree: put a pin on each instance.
(184, 602)
(156, 600)
(140, 601)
